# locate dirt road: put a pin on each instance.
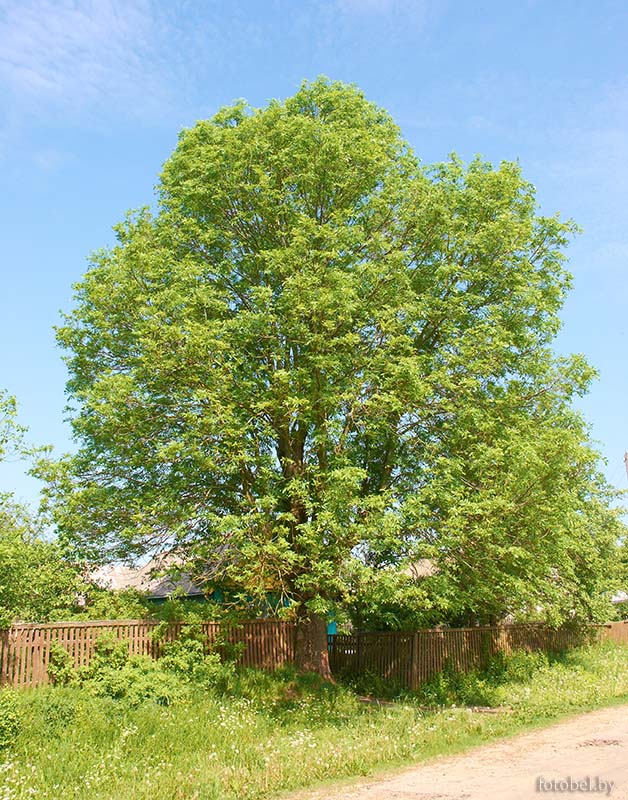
(591, 749)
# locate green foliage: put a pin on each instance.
(110, 604)
(12, 443)
(103, 604)
(390, 599)
(373, 685)
(450, 688)
(177, 609)
(493, 685)
(61, 668)
(109, 653)
(138, 680)
(316, 347)
(523, 517)
(187, 658)
(273, 733)
(112, 672)
(496, 683)
(36, 583)
(57, 708)
(10, 717)
(518, 667)
(35, 580)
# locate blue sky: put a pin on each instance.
(92, 95)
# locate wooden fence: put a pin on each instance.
(406, 658)
(409, 659)
(25, 648)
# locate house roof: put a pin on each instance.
(148, 579)
(421, 568)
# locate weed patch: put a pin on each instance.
(227, 734)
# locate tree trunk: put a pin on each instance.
(311, 653)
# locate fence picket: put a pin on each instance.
(406, 658)
(25, 647)
(410, 659)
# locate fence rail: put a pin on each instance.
(406, 658)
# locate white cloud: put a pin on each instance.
(69, 57)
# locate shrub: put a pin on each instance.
(61, 670)
(109, 653)
(186, 658)
(114, 673)
(521, 666)
(184, 663)
(110, 604)
(139, 679)
(10, 717)
(484, 687)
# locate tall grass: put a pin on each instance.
(252, 735)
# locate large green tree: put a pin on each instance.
(287, 363)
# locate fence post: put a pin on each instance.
(4, 656)
(414, 663)
(359, 648)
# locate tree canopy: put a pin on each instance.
(11, 432)
(35, 581)
(318, 349)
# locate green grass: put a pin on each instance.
(255, 735)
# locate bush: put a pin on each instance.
(109, 653)
(110, 604)
(114, 673)
(186, 658)
(139, 679)
(10, 717)
(521, 666)
(61, 670)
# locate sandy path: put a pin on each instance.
(593, 745)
